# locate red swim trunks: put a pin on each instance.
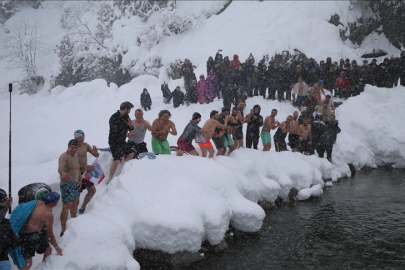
(206, 144)
(184, 145)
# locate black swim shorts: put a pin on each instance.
(219, 142)
(33, 242)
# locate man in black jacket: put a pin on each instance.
(120, 124)
(178, 97)
(253, 128)
(8, 238)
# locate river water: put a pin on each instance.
(359, 223)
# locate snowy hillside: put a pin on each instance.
(174, 203)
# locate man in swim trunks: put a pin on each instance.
(213, 126)
(161, 127)
(293, 136)
(70, 182)
(184, 142)
(232, 126)
(305, 136)
(31, 239)
(140, 125)
(82, 151)
(281, 133)
(270, 123)
(330, 103)
(242, 120)
(121, 127)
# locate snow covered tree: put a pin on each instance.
(22, 46)
(7, 9)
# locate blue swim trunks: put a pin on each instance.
(69, 191)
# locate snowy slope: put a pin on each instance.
(173, 203)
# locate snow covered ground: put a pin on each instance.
(173, 203)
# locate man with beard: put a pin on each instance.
(293, 136)
(281, 133)
(120, 124)
(270, 123)
(228, 140)
(253, 128)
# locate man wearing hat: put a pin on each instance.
(317, 89)
(82, 151)
(70, 182)
(32, 239)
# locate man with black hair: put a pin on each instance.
(328, 138)
(281, 133)
(137, 142)
(293, 136)
(120, 127)
(185, 140)
(253, 128)
(214, 128)
(178, 97)
(161, 127)
(305, 136)
(269, 124)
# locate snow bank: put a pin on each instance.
(306, 193)
(371, 134)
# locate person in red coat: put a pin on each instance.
(343, 85)
(235, 62)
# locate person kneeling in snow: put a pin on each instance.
(178, 97)
(161, 127)
(32, 240)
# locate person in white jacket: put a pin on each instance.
(300, 90)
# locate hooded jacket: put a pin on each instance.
(253, 127)
(146, 101)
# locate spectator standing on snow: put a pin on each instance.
(249, 69)
(82, 151)
(255, 82)
(228, 96)
(203, 89)
(211, 81)
(178, 97)
(137, 141)
(253, 128)
(402, 68)
(235, 63)
(210, 64)
(167, 94)
(187, 73)
(146, 101)
(263, 81)
(121, 127)
(161, 127)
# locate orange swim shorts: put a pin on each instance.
(206, 144)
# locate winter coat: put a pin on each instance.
(255, 78)
(235, 63)
(211, 81)
(203, 90)
(178, 98)
(263, 77)
(317, 129)
(342, 84)
(146, 101)
(242, 95)
(253, 127)
(228, 96)
(330, 134)
(166, 91)
(191, 94)
(210, 64)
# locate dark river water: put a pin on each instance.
(359, 223)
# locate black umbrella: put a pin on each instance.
(374, 53)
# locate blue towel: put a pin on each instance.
(150, 155)
(17, 220)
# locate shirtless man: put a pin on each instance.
(161, 127)
(270, 123)
(293, 136)
(242, 120)
(82, 151)
(281, 133)
(317, 89)
(305, 134)
(330, 102)
(233, 124)
(213, 126)
(70, 182)
(30, 234)
(137, 141)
